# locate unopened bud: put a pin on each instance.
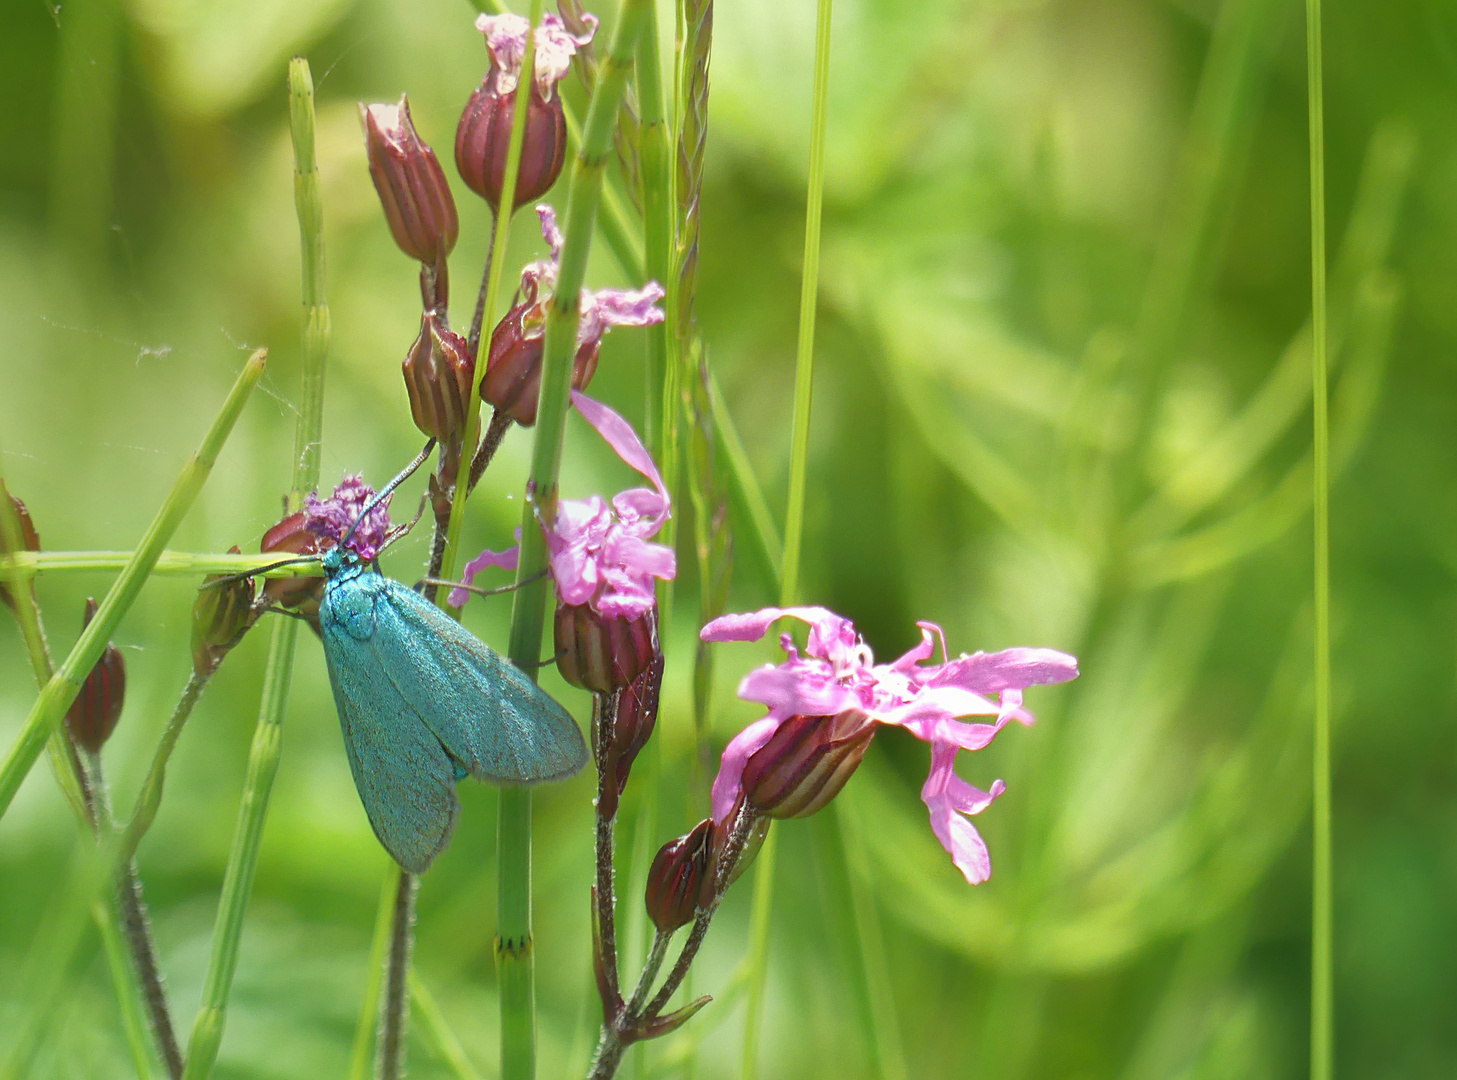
(29, 538)
(680, 880)
(220, 615)
(484, 132)
(627, 718)
(302, 594)
(411, 184)
(438, 373)
(93, 715)
(603, 653)
(806, 762)
(512, 382)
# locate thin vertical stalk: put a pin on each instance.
(1321, 971)
(207, 1029)
(491, 290)
(390, 1052)
(51, 705)
(132, 1021)
(369, 1007)
(658, 219)
(514, 944)
(763, 902)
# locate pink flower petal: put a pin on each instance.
(790, 690)
(506, 560)
(1010, 669)
(752, 625)
(606, 308)
(619, 435)
(727, 783)
(948, 797)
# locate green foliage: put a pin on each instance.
(1062, 398)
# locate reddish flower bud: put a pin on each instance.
(512, 382)
(806, 762)
(411, 184)
(29, 538)
(220, 614)
(680, 880)
(303, 594)
(438, 373)
(484, 133)
(93, 715)
(601, 653)
(627, 718)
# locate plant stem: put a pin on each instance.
(169, 563)
(658, 219)
(207, 1029)
(63, 687)
(150, 797)
(763, 902)
(390, 1053)
(446, 1041)
(514, 938)
(374, 976)
(85, 789)
(1321, 968)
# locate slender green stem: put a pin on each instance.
(169, 563)
(207, 1029)
(447, 1044)
(85, 789)
(763, 902)
(514, 935)
(63, 687)
(658, 218)
(1321, 970)
(149, 799)
(754, 505)
(132, 1021)
(374, 976)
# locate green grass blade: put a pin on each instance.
(169, 563)
(63, 687)
(207, 1029)
(1321, 968)
(447, 1043)
(763, 902)
(514, 935)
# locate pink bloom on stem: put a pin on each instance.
(601, 310)
(555, 46)
(600, 553)
(837, 672)
(331, 519)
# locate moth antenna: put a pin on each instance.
(386, 491)
(543, 663)
(230, 578)
(478, 590)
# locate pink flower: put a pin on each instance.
(601, 310)
(600, 553)
(837, 673)
(555, 47)
(331, 519)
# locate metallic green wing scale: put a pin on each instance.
(423, 702)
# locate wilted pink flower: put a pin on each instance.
(600, 553)
(332, 518)
(555, 47)
(512, 381)
(837, 673)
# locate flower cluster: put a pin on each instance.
(555, 46)
(332, 519)
(837, 683)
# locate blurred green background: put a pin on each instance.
(1062, 399)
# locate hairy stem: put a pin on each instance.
(390, 1054)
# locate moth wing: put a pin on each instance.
(405, 778)
(495, 721)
